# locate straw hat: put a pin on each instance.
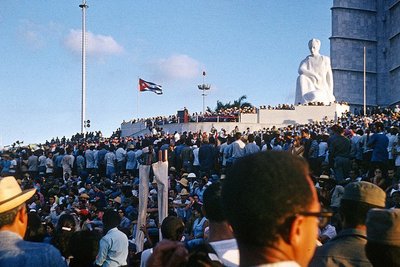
(117, 200)
(184, 192)
(84, 196)
(11, 195)
(183, 182)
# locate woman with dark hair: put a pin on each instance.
(84, 246)
(35, 231)
(199, 225)
(65, 228)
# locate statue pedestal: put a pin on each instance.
(302, 114)
(265, 118)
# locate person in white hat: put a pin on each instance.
(14, 251)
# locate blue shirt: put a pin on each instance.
(379, 143)
(131, 162)
(207, 157)
(113, 249)
(90, 159)
(58, 161)
(251, 148)
(14, 251)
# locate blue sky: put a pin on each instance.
(248, 48)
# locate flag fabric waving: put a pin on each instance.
(149, 86)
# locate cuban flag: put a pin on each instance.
(149, 86)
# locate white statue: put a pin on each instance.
(315, 82)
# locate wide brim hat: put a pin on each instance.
(84, 196)
(324, 177)
(184, 192)
(117, 200)
(11, 195)
(183, 182)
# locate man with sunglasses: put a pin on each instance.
(272, 206)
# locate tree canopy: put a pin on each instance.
(239, 103)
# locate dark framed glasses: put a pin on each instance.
(319, 215)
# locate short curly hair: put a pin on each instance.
(262, 192)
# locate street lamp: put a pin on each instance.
(204, 87)
(83, 108)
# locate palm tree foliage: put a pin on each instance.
(239, 103)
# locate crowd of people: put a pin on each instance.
(221, 115)
(82, 197)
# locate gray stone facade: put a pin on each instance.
(374, 24)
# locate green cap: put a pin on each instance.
(365, 192)
(383, 226)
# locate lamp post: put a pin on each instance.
(83, 107)
(204, 87)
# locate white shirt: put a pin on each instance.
(196, 156)
(328, 230)
(227, 251)
(113, 249)
(49, 165)
(145, 257)
(323, 148)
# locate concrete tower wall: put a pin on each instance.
(374, 24)
(353, 27)
(393, 34)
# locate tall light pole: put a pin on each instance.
(365, 81)
(204, 87)
(83, 6)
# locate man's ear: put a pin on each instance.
(296, 231)
(21, 221)
(22, 216)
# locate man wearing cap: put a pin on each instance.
(347, 248)
(14, 251)
(383, 235)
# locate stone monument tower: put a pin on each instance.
(375, 25)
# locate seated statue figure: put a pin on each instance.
(315, 82)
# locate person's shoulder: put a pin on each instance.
(330, 248)
(36, 248)
(42, 254)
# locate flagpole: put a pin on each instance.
(137, 99)
(365, 82)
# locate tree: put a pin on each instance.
(239, 103)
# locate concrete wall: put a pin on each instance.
(374, 24)
(249, 118)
